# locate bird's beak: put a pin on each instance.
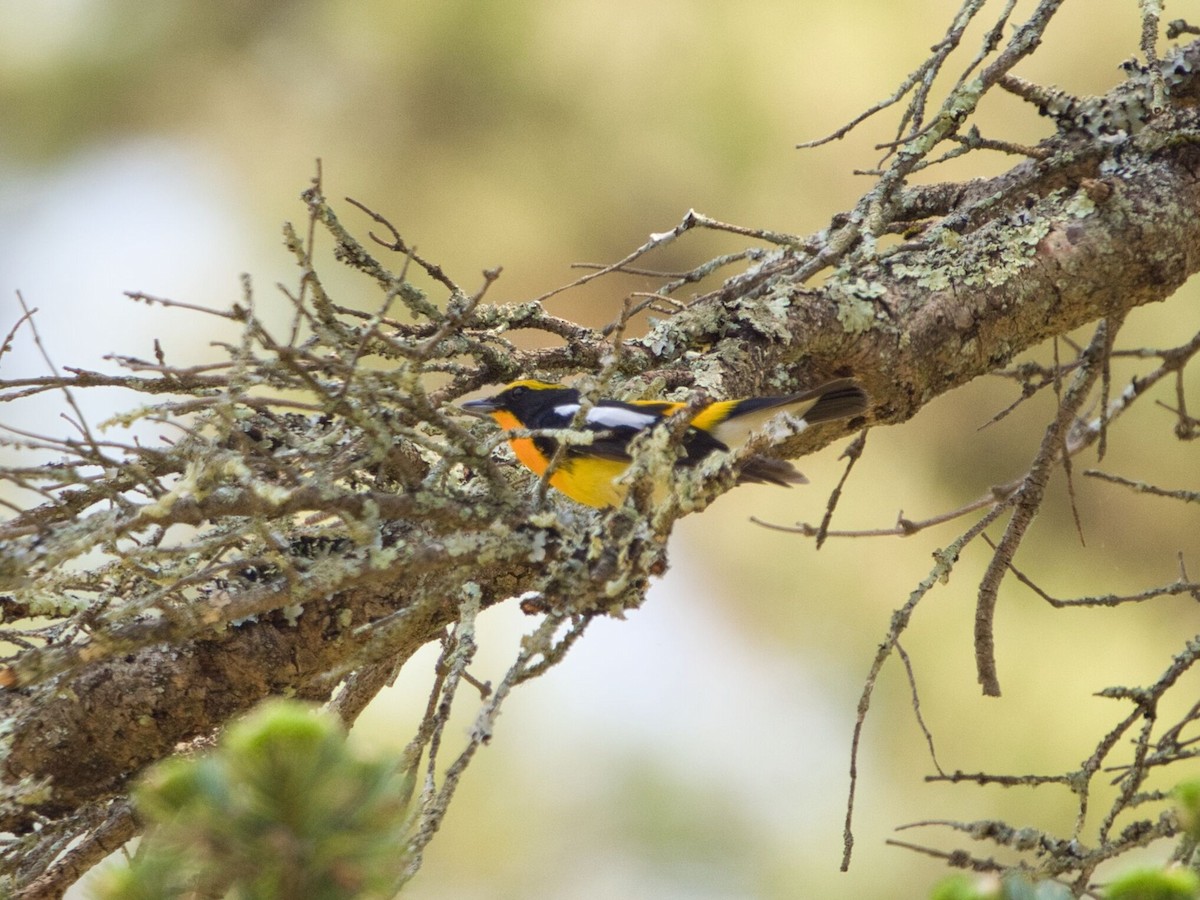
(481, 408)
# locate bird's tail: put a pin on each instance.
(768, 470)
(840, 399)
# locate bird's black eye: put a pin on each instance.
(519, 391)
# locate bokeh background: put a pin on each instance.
(700, 748)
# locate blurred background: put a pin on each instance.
(699, 749)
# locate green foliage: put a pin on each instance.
(281, 808)
(1155, 884)
(960, 887)
(1013, 886)
(1187, 801)
(1178, 883)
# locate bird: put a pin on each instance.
(588, 473)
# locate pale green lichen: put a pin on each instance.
(927, 277)
(709, 371)
(660, 340)
(544, 519)
(966, 98)
(273, 494)
(1079, 205)
(856, 315)
(538, 553)
(380, 559)
(670, 337)
(53, 603)
(364, 529)
(187, 486)
(1001, 252)
(768, 316)
(867, 289)
(855, 299)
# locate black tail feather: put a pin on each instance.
(840, 399)
(768, 470)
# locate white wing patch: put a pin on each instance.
(615, 417)
(567, 410)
